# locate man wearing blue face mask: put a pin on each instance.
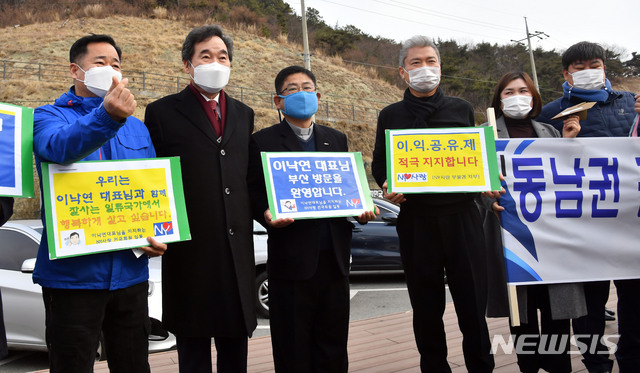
(104, 294)
(208, 282)
(583, 67)
(308, 263)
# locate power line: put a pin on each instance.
(413, 8)
(407, 20)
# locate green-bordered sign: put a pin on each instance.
(441, 160)
(305, 185)
(16, 148)
(100, 206)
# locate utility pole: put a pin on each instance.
(305, 37)
(538, 34)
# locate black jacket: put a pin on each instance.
(294, 250)
(208, 283)
(453, 112)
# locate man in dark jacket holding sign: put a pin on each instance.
(436, 231)
(308, 263)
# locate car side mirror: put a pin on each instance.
(28, 265)
(390, 218)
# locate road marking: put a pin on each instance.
(353, 293)
(14, 358)
(263, 327)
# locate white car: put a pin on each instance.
(262, 283)
(22, 299)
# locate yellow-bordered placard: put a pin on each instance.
(100, 206)
(441, 160)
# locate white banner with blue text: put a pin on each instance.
(572, 209)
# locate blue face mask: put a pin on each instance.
(300, 105)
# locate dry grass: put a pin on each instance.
(159, 12)
(94, 10)
(153, 45)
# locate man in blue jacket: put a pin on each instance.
(583, 67)
(105, 292)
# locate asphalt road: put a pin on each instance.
(372, 295)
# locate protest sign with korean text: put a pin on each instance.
(572, 209)
(16, 147)
(429, 160)
(100, 206)
(303, 185)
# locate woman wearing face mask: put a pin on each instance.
(516, 101)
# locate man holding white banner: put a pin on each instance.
(100, 294)
(583, 67)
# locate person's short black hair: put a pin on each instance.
(284, 73)
(583, 51)
(79, 48)
(202, 33)
(74, 234)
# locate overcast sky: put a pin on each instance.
(608, 22)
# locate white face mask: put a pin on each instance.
(589, 79)
(98, 79)
(211, 77)
(424, 79)
(517, 106)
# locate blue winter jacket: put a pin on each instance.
(611, 118)
(79, 129)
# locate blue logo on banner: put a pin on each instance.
(162, 229)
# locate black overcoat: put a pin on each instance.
(294, 250)
(208, 283)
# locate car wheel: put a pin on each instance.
(262, 300)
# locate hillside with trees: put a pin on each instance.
(469, 71)
(357, 73)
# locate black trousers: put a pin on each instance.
(589, 328)
(592, 325)
(429, 245)
(555, 336)
(628, 353)
(310, 320)
(75, 318)
(194, 354)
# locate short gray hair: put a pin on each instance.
(417, 41)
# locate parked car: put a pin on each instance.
(374, 247)
(22, 299)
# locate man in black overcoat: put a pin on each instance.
(208, 283)
(308, 263)
(437, 232)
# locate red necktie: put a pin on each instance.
(216, 119)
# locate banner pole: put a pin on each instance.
(512, 294)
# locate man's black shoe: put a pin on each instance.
(609, 317)
(609, 312)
